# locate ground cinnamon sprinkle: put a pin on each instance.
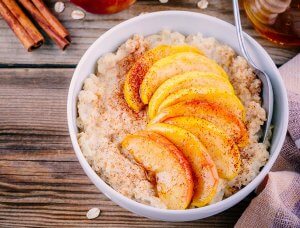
(105, 118)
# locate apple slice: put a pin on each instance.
(184, 81)
(173, 65)
(222, 149)
(220, 97)
(136, 74)
(174, 180)
(211, 112)
(205, 173)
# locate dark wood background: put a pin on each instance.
(41, 181)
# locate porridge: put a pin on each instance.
(105, 119)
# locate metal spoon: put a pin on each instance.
(267, 91)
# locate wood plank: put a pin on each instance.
(85, 32)
(41, 181)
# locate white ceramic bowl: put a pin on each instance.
(186, 23)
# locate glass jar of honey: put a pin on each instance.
(277, 20)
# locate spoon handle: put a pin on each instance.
(239, 32)
(267, 91)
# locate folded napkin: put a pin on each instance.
(278, 203)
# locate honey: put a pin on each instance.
(277, 20)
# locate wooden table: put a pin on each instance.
(41, 181)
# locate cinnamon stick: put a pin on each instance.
(16, 27)
(41, 20)
(25, 22)
(60, 29)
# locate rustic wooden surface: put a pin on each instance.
(41, 181)
(84, 32)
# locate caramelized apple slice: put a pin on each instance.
(220, 97)
(173, 65)
(136, 74)
(205, 174)
(173, 173)
(211, 112)
(184, 81)
(220, 147)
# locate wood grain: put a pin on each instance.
(41, 181)
(85, 32)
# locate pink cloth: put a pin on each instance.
(278, 204)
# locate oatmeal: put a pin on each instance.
(104, 117)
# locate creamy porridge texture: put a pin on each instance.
(104, 118)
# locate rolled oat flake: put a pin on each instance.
(93, 213)
(77, 14)
(59, 7)
(202, 4)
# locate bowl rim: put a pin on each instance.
(211, 209)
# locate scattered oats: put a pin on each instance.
(163, 1)
(202, 4)
(59, 7)
(77, 14)
(93, 213)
